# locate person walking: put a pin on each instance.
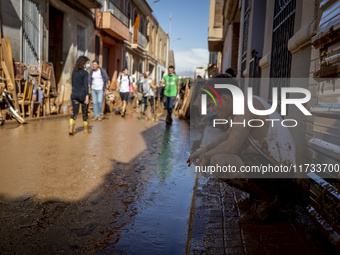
(149, 96)
(99, 81)
(140, 108)
(161, 94)
(123, 87)
(80, 93)
(171, 91)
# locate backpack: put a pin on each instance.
(121, 77)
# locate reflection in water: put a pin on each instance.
(164, 161)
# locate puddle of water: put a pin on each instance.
(122, 190)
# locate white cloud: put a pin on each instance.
(187, 61)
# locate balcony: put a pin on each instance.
(112, 25)
(215, 35)
(91, 4)
(141, 39)
(118, 13)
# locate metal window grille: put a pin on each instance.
(245, 40)
(81, 41)
(31, 32)
(281, 58)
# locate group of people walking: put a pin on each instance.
(99, 82)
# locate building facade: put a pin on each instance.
(296, 40)
(56, 31)
(111, 30)
(116, 33)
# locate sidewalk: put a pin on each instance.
(215, 229)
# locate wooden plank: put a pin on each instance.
(8, 59)
(7, 75)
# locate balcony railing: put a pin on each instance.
(141, 39)
(118, 13)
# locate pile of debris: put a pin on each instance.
(182, 106)
(25, 90)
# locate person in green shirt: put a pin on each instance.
(171, 91)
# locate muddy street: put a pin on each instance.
(125, 188)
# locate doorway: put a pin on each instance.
(55, 41)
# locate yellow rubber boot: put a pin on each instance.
(71, 128)
(86, 128)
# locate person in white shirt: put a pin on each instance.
(98, 81)
(149, 96)
(123, 87)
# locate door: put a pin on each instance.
(105, 58)
(55, 42)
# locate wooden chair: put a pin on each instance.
(27, 98)
(46, 104)
(34, 73)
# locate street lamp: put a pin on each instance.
(174, 41)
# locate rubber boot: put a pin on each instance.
(86, 128)
(71, 128)
(153, 117)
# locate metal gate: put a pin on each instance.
(31, 32)
(245, 40)
(283, 30)
(254, 73)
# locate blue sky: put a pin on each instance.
(190, 22)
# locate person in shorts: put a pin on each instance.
(123, 88)
(140, 108)
(149, 97)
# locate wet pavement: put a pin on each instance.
(124, 189)
(215, 229)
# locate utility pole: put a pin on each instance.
(170, 31)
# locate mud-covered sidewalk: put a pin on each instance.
(215, 229)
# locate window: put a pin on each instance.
(140, 70)
(135, 13)
(116, 3)
(128, 10)
(164, 52)
(141, 26)
(81, 41)
(97, 48)
(160, 49)
(127, 61)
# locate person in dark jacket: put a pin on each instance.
(99, 82)
(80, 93)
